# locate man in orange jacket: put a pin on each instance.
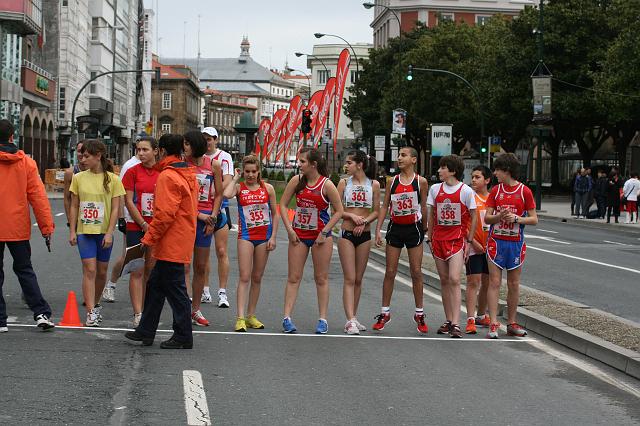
(172, 235)
(21, 186)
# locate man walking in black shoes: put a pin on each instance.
(21, 186)
(171, 235)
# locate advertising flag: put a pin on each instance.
(342, 72)
(261, 134)
(328, 96)
(277, 123)
(314, 107)
(293, 123)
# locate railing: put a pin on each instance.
(33, 67)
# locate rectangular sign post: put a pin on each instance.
(441, 138)
(379, 142)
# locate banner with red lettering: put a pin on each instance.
(261, 134)
(314, 106)
(293, 123)
(328, 96)
(277, 122)
(342, 73)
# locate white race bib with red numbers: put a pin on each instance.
(306, 218)
(205, 187)
(359, 197)
(404, 204)
(256, 215)
(505, 229)
(449, 214)
(91, 212)
(146, 204)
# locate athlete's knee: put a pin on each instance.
(321, 277)
(256, 279)
(513, 284)
(416, 273)
(357, 282)
(350, 282)
(391, 271)
(221, 252)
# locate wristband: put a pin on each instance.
(327, 234)
(515, 220)
(68, 225)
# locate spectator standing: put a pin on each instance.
(614, 183)
(21, 187)
(573, 192)
(630, 193)
(582, 189)
(600, 193)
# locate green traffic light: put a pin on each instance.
(409, 77)
(483, 150)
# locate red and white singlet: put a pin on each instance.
(312, 211)
(254, 214)
(516, 199)
(404, 204)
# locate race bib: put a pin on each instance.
(256, 215)
(204, 184)
(485, 227)
(505, 229)
(91, 213)
(306, 219)
(359, 197)
(404, 204)
(449, 214)
(146, 204)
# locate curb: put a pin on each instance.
(591, 224)
(620, 358)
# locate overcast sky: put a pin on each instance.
(276, 28)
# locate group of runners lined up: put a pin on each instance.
(462, 225)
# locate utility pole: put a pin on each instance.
(541, 133)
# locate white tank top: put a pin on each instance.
(358, 195)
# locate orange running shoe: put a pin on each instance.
(471, 326)
(516, 330)
(483, 321)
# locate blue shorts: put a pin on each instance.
(90, 246)
(201, 239)
(308, 243)
(506, 254)
(221, 222)
(256, 243)
(134, 237)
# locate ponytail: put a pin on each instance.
(313, 156)
(369, 165)
(95, 147)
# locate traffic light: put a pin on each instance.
(410, 73)
(306, 121)
(484, 146)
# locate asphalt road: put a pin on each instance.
(95, 376)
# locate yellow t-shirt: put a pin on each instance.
(95, 204)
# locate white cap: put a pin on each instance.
(210, 131)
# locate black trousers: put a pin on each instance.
(167, 282)
(21, 253)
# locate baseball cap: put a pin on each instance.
(210, 131)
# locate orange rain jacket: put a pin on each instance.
(21, 186)
(172, 232)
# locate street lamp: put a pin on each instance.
(306, 75)
(320, 35)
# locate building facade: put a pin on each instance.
(175, 100)
(430, 12)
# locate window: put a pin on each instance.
(354, 77)
(166, 100)
(93, 87)
(166, 128)
(65, 3)
(482, 19)
(442, 17)
(62, 98)
(95, 31)
(323, 76)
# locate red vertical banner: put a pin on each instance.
(314, 107)
(277, 122)
(293, 123)
(261, 134)
(325, 105)
(342, 73)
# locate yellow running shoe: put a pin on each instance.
(241, 325)
(252, 322)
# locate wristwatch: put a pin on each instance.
(515, 220)
(327, 234)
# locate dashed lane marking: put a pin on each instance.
(549, 239)
(195, 400)
(623, 268)
(59, 214)
(546, 230)
(613, 242)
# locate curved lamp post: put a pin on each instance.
(305, 74)
(320, 35)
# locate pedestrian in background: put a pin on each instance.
(630, 195)
(573, 192)
(614, 184)
(21, 187)
(582, 189)
(172, 234)
(600, 193)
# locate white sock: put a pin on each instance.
(111, 284)
(205, 290)
(473, 318)
(222, 291)
(386, 310)
(419, 311)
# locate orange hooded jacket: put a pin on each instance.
(172, 232)
(21, 186)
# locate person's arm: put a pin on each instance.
(424, 195)
(37, 197)
(382, 214)
(134, 212)
(231, 190)
(284, 208)
(375, 211)
(275, 217)
(167, 202)
(68, 176)
(218, 187)
(329, 190)
(73, 219)
(107, 241)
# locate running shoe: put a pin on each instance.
(493, 331)
(4, 329)
(381, 320)
(483, 321)
(241, 325)
(109, 294)
(471, 326)
(322, 327)
(198, 319)
(98, 310)
(454, 331)
(136, 319)
(445, 327)
(222, 300)
(43, 322)
(287, 326)
(422, 326)
(92, 319)
(516, 330)
(252, 322)
(206, 297)
(360, 326)
(351, 328)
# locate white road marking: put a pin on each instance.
(195, 400)
(613, 242)
(546, 230)
(35, 224)
(550, 239)
(59, 214)
(635, 271)
(12, 320)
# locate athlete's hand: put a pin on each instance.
(204, 218)
(145, 227)
(358, 230)
(358, 220)
(321, 239)
(293, 237)
(271, 244)
(467, 247)
(73, 238)
(208, 229)
(107, 241)
(237, 175)
(378, 239)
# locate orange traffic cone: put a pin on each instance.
(70, 317)
(291, 213)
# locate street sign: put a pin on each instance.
(441, 137)
(380, 142)
(399, 121)
(494, 142)
(394, 154)
(541, 97)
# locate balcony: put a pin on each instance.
(21, 17)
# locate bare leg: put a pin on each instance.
(443, 272)
(473, 283)
(321, 256)
(347, 254)
(493, 292)
(297, 257)
(200, 262)
(102, 268)
(221, 238)
(513, 293)
(415, 266)
(260, 257)
(482, 294)
(392, 256)
(456, 263)
(362, 257)
(89, 271)
(245, 260)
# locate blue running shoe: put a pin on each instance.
(322, 327)
(287, 326)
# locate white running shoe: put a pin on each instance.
(206, 297)
(360, 326)
(4, 329)
(98, 311)
(352, 328)
(92, 319)
(136, 319)
(109, 294)
(43, 322)
(222, 300)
